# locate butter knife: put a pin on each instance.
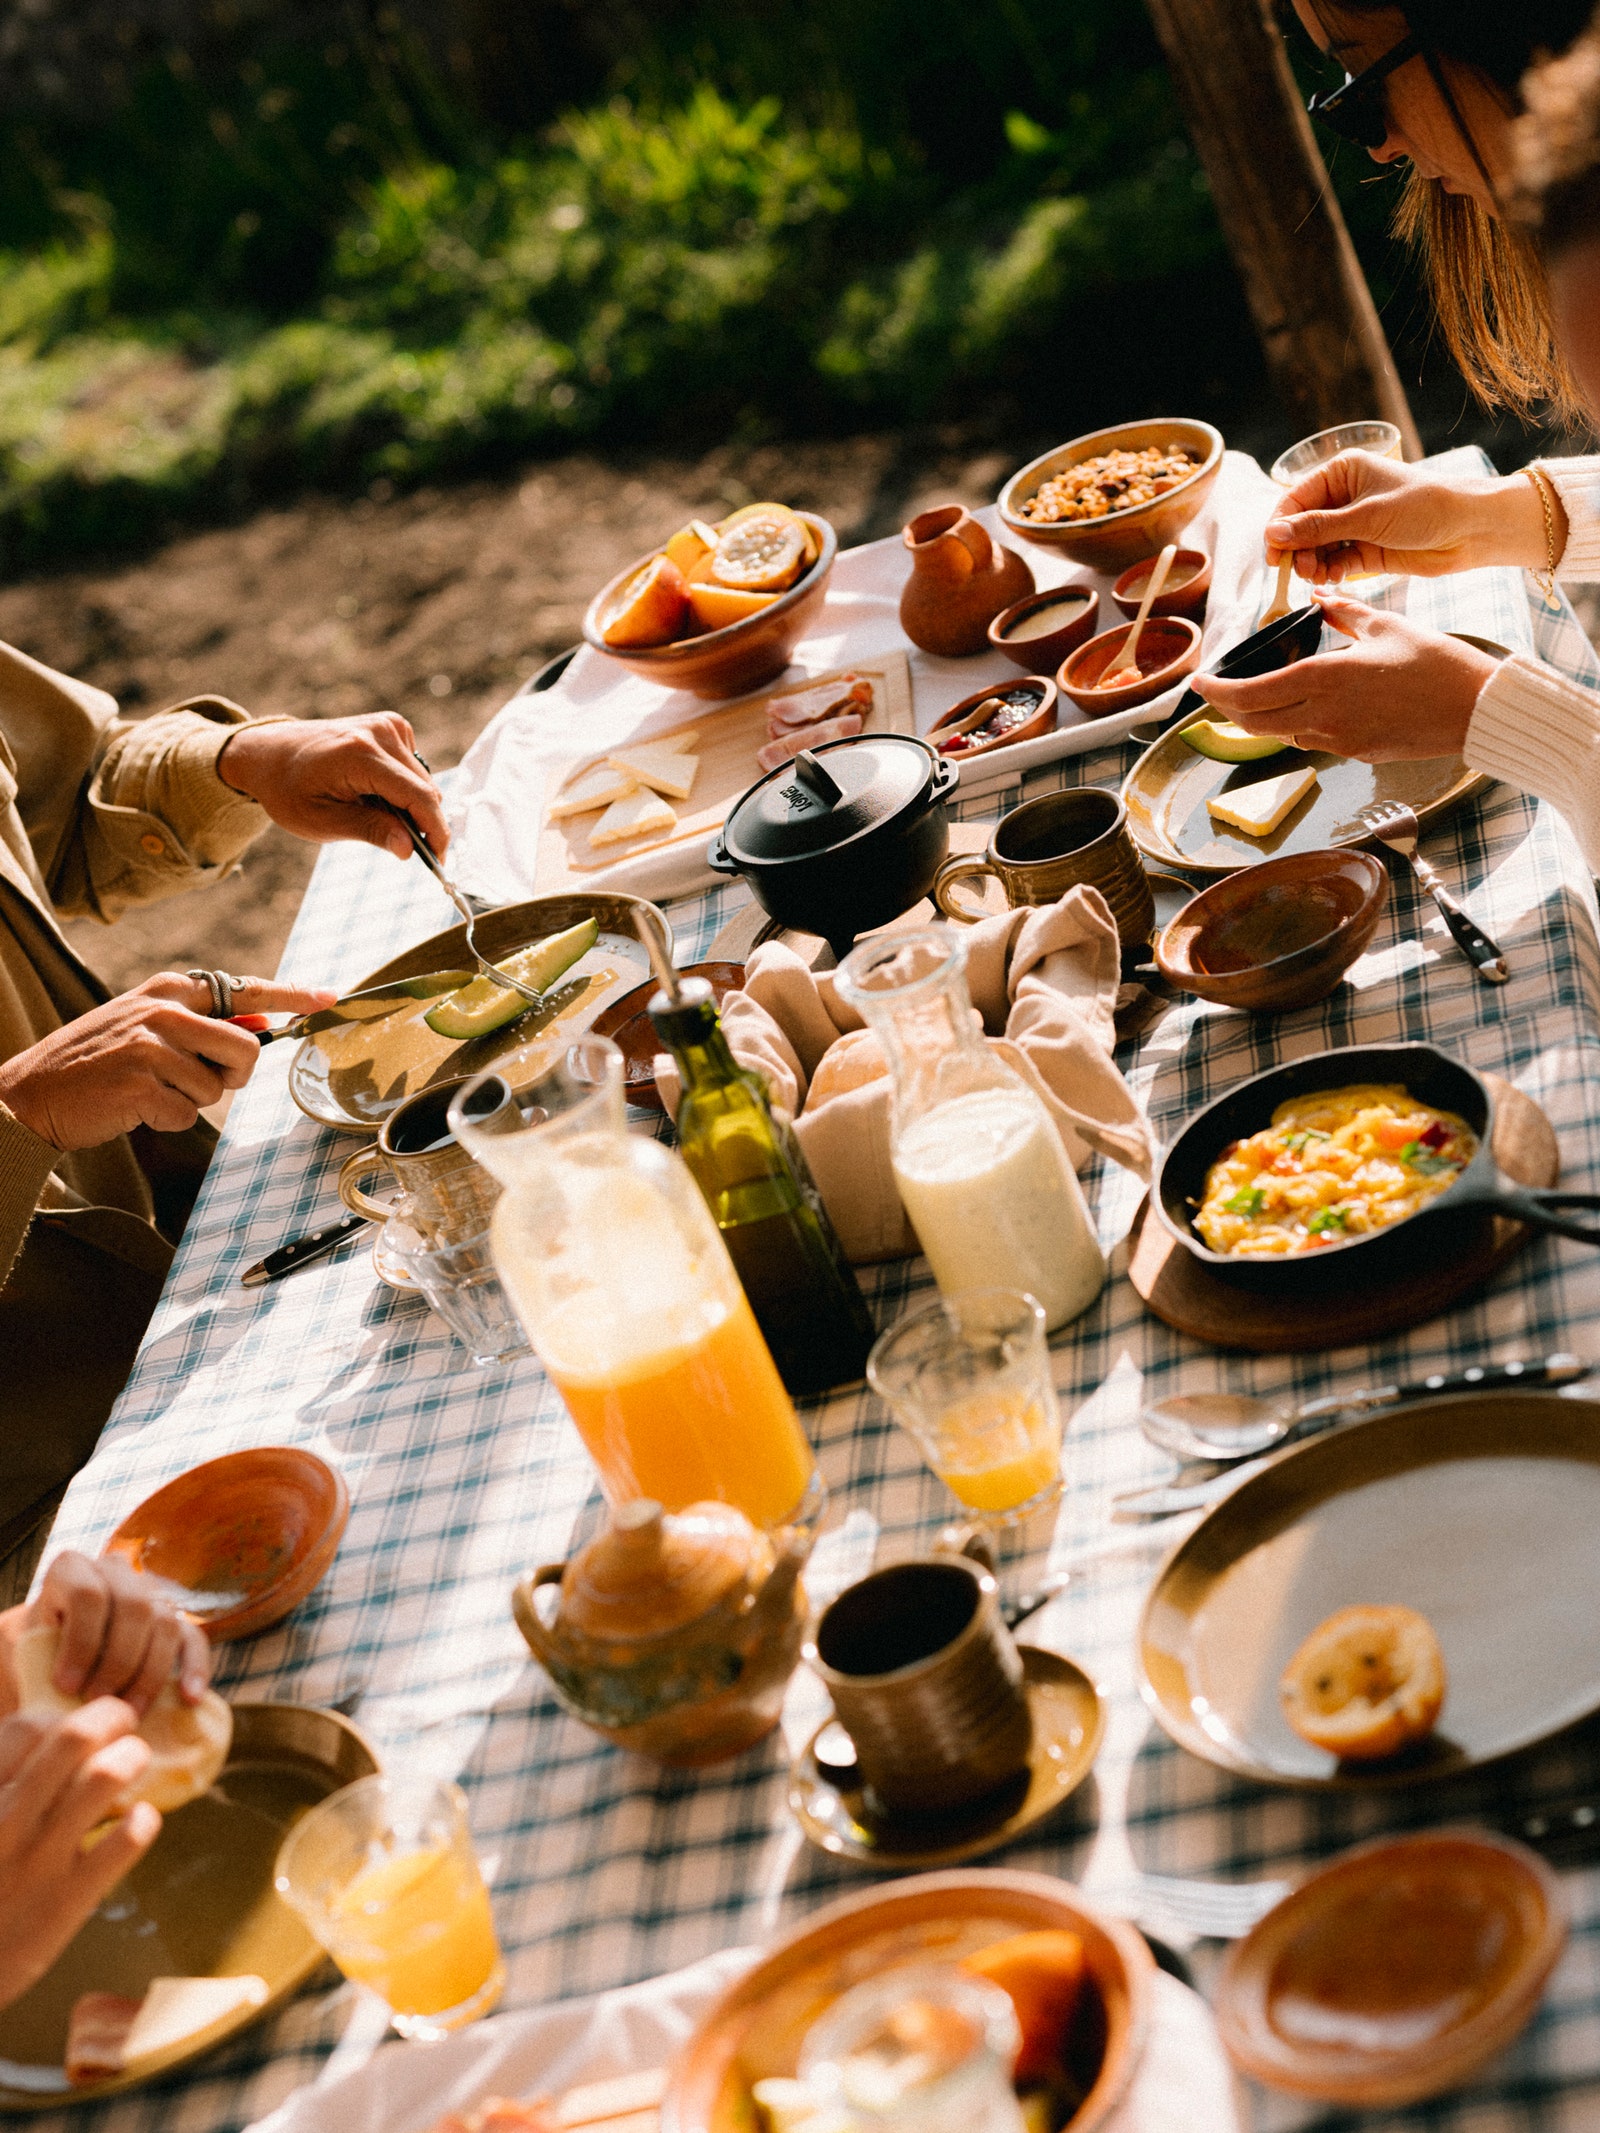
(369, 1005)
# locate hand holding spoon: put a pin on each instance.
(1129, 655)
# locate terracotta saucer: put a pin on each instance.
(263, 1524)
(1395, 1971)
(627, 1023)
(828, 1801)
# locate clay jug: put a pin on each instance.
(960, 580)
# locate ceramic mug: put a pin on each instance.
(1049, 845)
(444, 1194)
(927, 1682)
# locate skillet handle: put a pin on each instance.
(1539, 1210)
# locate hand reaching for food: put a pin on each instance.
(315, 776)
(1359, 514)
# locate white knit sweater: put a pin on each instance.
(1532, 727)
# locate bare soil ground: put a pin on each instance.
(435, 604)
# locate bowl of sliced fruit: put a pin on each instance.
(719, 609)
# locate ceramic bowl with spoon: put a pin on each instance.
(1169, 649)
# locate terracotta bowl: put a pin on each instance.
(264, 1523)
(1277, 935)
(728, 661)
(1394, 1972)
(1046, 652)
(1122, 537)
(1168, 650)
(627, 1023)
(1186, 598)
(1042, 719)
(758, 2025)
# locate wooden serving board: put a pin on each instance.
(727, 737)
(1179, 1289)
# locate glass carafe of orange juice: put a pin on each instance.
(615, 1267)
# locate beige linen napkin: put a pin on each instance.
(1044, 982)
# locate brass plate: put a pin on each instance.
(199, 1904)
(1479, 1511)
(1068, 1725)
(352, 1078)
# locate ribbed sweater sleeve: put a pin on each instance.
(1533, 728)
(1577, 483)
(25, 1163)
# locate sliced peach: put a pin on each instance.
(715, 606)
(650, 608)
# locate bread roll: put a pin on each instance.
(188, 1743)
(855, 1060)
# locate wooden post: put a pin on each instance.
(1319, 328)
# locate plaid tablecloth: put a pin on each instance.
(607, 1870)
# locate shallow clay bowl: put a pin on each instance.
(627, 1023)
(1186, 597)
(1121, 537)
(740, 656)
(1394, 1972)
(1080, 610)
(1042, 720)
(1169, 648)
(756, 2028)
(1277, 935)
(264, 1523)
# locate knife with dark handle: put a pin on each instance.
(369, 1005)
(302, 1251)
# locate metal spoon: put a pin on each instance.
(1224, 1426)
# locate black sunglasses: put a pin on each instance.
(1357, 110)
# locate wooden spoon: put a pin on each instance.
(1280, 599)
(1129, 655)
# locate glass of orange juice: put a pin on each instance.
(385, 1876)
(969, 1378)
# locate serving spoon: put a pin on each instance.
(1224, 1426)
(1129, 655)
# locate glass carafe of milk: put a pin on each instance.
(985, 1179)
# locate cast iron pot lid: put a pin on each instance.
(829, 795)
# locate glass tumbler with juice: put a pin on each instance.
(616, 1269)
(977, 1160)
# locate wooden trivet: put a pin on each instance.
(1189, 1296)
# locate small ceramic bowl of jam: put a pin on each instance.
(1184, 593)
(996, 718)
(1169, 649)
(1277, 935)
(1041, 629)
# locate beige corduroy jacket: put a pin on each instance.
(97, 813)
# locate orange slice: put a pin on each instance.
(651, 607)
(764, 552)
(1365, 1683)
(715, 606)
(690, 545)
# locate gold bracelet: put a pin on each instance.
(1545, 579)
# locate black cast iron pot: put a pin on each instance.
(1466, 1207)
(844, 838)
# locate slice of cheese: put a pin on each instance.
(1258, 809)
(176, 2008)
(641, 814)
(597, 788)
(660, 764)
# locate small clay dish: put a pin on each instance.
(1169, 648)
(262, 1525)
(1188, 584)
(627, 1023)
(1029, 710)
(1040, 630)
(1277, 935)
(1395, 1972)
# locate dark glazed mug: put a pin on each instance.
(927, 1682)
(1052, 844)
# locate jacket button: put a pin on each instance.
(154, 845)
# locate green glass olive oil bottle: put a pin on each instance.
(748, 1164)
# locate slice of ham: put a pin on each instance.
(787, 746)
(808, 707)
(97, 2035)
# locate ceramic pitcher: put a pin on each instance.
(960, 580)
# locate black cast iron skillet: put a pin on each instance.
(1467, 1206)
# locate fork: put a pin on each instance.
(1393, 824)
(425, 852)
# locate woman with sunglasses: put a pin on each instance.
(1438, 86)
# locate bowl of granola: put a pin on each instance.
(1115, 496)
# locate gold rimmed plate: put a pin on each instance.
(828, 1801)
(352, 1078)
(1478, 1511)
(199, 1904)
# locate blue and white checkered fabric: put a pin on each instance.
(606, 1869)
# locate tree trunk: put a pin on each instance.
(1319, 328)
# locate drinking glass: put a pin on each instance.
(384, 1875)
(1380, 437)
(461, 1284)
(969, 1379)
